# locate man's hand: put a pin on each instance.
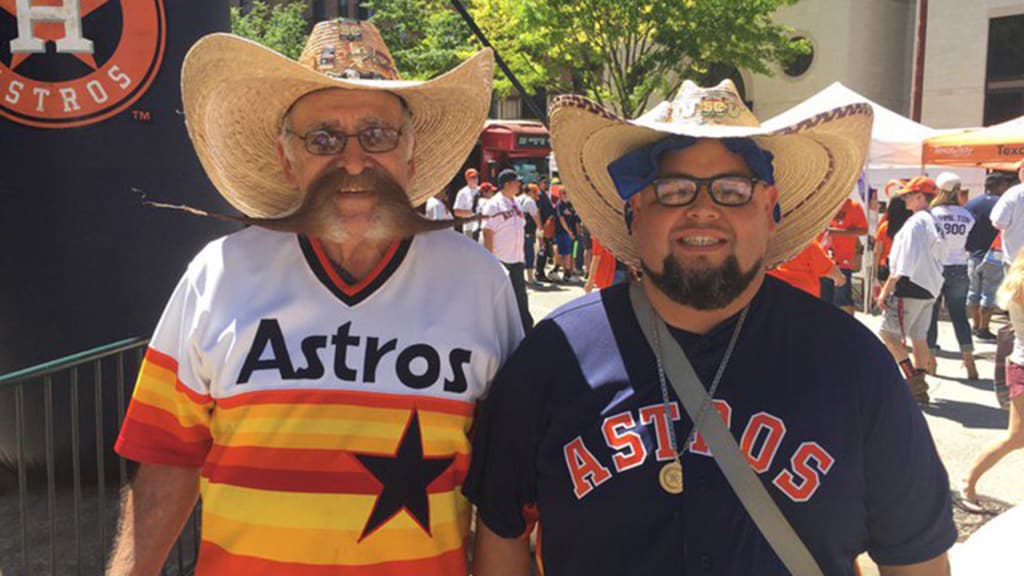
(880, 302)
(837, 276)
(153, 509)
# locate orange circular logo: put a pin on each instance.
(66, 63)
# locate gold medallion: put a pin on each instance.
(671, 477)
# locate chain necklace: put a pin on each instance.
(671, 475)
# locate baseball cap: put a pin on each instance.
(920, 184)
(507, 175)
(948, 181)
(471, 173)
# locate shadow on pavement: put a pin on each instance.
(969, 414)
(541, 287)
(982, 384)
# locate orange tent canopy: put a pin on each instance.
(999, 147)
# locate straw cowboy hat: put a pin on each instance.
(816, 161)
(236, 93)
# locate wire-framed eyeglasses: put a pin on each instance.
(327, 142)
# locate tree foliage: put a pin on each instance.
(620, 53)
(282, 27)
(623, 53)
(426, 37)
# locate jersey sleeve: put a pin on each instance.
(908, 501)
(907, 248)
(463, 200)
(490, 209)
(1002, 212)
(168, 419)
(502, 478)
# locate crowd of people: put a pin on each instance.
(533, 229)
(935, 247)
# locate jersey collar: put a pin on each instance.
(352, 294)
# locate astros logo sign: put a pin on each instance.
(66, 63)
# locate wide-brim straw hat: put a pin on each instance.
(817, 160)
(236, 93)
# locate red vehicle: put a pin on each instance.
(523, 145)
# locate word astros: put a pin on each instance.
(760, 442)
(354, 359)
(77, 62)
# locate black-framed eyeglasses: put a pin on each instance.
(327, 142)
(725, 190)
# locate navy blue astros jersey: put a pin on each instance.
(575, 424)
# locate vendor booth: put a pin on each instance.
(999, 147)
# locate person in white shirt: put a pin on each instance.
(1008, 216)
(436, 209)
(956, 222)
(915, 280)
(504, 233)
(527, 201)
(465, 202)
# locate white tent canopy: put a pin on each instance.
(895, 139)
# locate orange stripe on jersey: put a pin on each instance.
(312, 460)
(152, 445)
(216, 561)
(355, 398)
(316, 482)
(345, 287)
(155, 358)
(156, 417)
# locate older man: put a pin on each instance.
(316, 384)
(584, 429)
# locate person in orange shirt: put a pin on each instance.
(841, 239)
(883, 244)
(604, 269)
(807, 269)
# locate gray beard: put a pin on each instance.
(707, 289)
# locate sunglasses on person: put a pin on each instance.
(725, 190)
(327, 142)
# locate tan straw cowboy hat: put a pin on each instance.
(236, 93)
(816, 161)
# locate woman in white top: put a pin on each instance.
(956, 223)
(1009, 297)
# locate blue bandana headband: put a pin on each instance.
(638, 169)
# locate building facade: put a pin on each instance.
(973, 59)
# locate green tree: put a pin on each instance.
(620, 53)
(282, 28)
(623, 53)
(425, 37)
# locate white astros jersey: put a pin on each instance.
(345, 408)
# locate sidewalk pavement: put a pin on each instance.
(992, 550)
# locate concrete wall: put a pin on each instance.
(861, 43)
(824, 23)
(955, 59)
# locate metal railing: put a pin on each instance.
(56, 489)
